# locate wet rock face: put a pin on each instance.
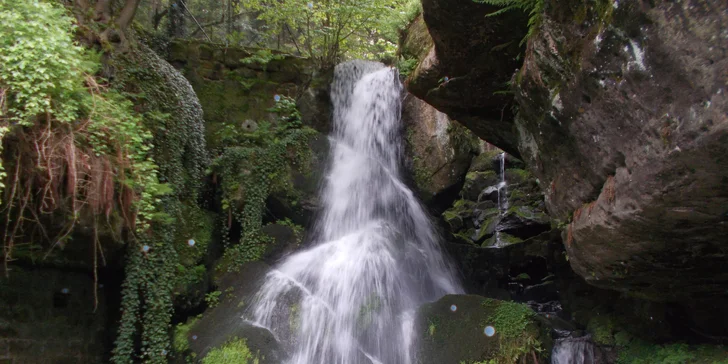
(438, 150)
(493, 202)
(624, 122)
(499, 234)
(447, 77)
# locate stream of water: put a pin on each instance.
(350, 297)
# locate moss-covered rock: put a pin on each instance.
(223, 323)
(476, 182)
(455, 330)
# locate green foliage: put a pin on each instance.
(534, 9)
(329, 31)
(213, 298)
(262, 57)
(635, 351)
(251, 163)
(396, 21)
(298, 230)
(406, 66)
(511, 318)
(171, 111)
(42, 67)
(181, 332)
(235, 351)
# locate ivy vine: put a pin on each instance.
(257, 157)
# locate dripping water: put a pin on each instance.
(502, 190)
(350, 297)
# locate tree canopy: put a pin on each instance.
(328, 31)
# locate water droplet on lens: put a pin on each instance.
(489, 331)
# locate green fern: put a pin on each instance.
(534, 9)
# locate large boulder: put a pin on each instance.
(438, 150)
(456, 329)
(465, 67)
(224, 323)
(623, 119)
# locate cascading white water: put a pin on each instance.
(350, 297)
(573, 351)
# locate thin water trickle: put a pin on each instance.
(350, 298)
(502, 190)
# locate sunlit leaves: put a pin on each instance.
(331, 30)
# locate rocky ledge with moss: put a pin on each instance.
(457, 329)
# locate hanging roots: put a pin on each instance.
(58, 181)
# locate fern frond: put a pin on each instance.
(533, 8)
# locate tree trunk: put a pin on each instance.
(127, 13)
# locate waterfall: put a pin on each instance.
(573, 351)
(350, 297)
(502, 189)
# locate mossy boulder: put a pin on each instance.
(222, 324)
(456, 329)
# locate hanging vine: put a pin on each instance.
(258, 156)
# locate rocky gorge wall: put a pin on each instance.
(618, 110)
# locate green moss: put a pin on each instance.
(516, 175)
(181, 332)
(602, 328)
(523, 277)
(197, 225)
(463, 204)
(635, 351)
(421, 174)
(484, 161)
(294, 317)
(517, 333)
(235, 351)
(509, 318)
(505, 239)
